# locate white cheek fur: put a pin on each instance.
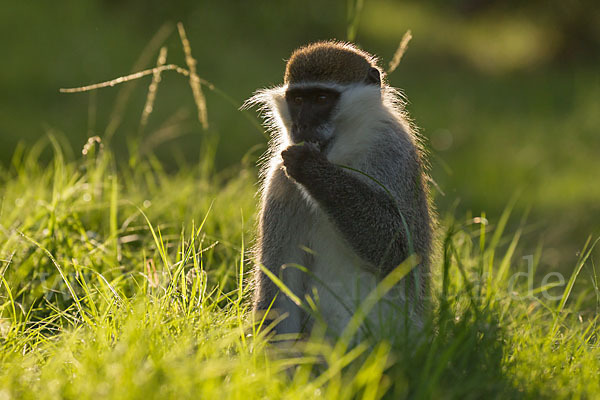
(359, 111)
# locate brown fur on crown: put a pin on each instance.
(329, 61)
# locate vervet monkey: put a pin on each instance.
(348, 226)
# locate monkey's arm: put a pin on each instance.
(365, 214)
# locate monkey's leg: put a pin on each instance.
(283, 230)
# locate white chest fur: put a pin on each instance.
(343, 281)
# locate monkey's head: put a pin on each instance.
(331, 92)
(331, 62)
(316, 77)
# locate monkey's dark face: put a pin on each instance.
(311, 110)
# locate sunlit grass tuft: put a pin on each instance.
(121, 282)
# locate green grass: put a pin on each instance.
(124, 281)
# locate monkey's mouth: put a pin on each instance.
(322, 145)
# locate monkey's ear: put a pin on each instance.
(374, 77)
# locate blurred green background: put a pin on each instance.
(506, 93)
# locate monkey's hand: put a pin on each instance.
(299, 160)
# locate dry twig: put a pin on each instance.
(399, 52)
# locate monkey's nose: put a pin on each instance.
(300, 133)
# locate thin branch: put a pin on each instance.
(199, 98)
(126, 78)
(399, 52)
(148, 107)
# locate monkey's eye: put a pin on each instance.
(322, 98)
(298, 99)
